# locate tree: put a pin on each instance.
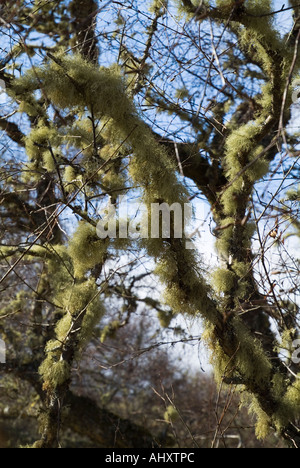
(191, 102)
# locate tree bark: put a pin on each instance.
(106, 429)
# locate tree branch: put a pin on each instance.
(106, 429)
(13, 131)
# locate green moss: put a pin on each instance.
(241, 269)
(83, 313)
(218, 359)
(249, 363)
(60, 269)
(240, 141)
(176, 299)
(266, 98)
(158, 5)
(94, 313)
(289, 409)
(72, 180)
(279, 386)
(165, 318)
(263, 421)
(292, 399)
(81, 302)
(83, 136)
(18, 304)
(182, 94)
(287, 338)
(260, 168)
(86, 249)
(63, 327)
(259, 44)
(39, 139)
(70, 174)
(35, 252)
(293, 194)
(110, 331)
(29, 107)
(241, 150)
(171, 415)
(224, 280)
(251, 359)
(225, 236)
(114, 182)
(54, 373)
(167, 268)
(77, 296)
(70, 82)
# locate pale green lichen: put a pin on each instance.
(54, 373)
(219, 360)
(289, 406)
(86, 249)
(251, 360)
(84, 311)
(242, 271)
(182, 94)
(286, 347)
(41, 146)
(63, 327)
(72, 179)
(165, 318)
(244, 166)
(279, 386)
(224, 280)
(171, 415)
(94, 313)
(158, 6)
(72, 82)
(225, 235)
(263, 421)
(110, 331)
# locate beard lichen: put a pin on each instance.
(53, 372)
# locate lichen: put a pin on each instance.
(110, 330)
(224, 280)
(165, 318)
(171, 414)
(251, 360)
(54, 373)
(263, 421)
(41, 146)
(289, 406)
(86, 249)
